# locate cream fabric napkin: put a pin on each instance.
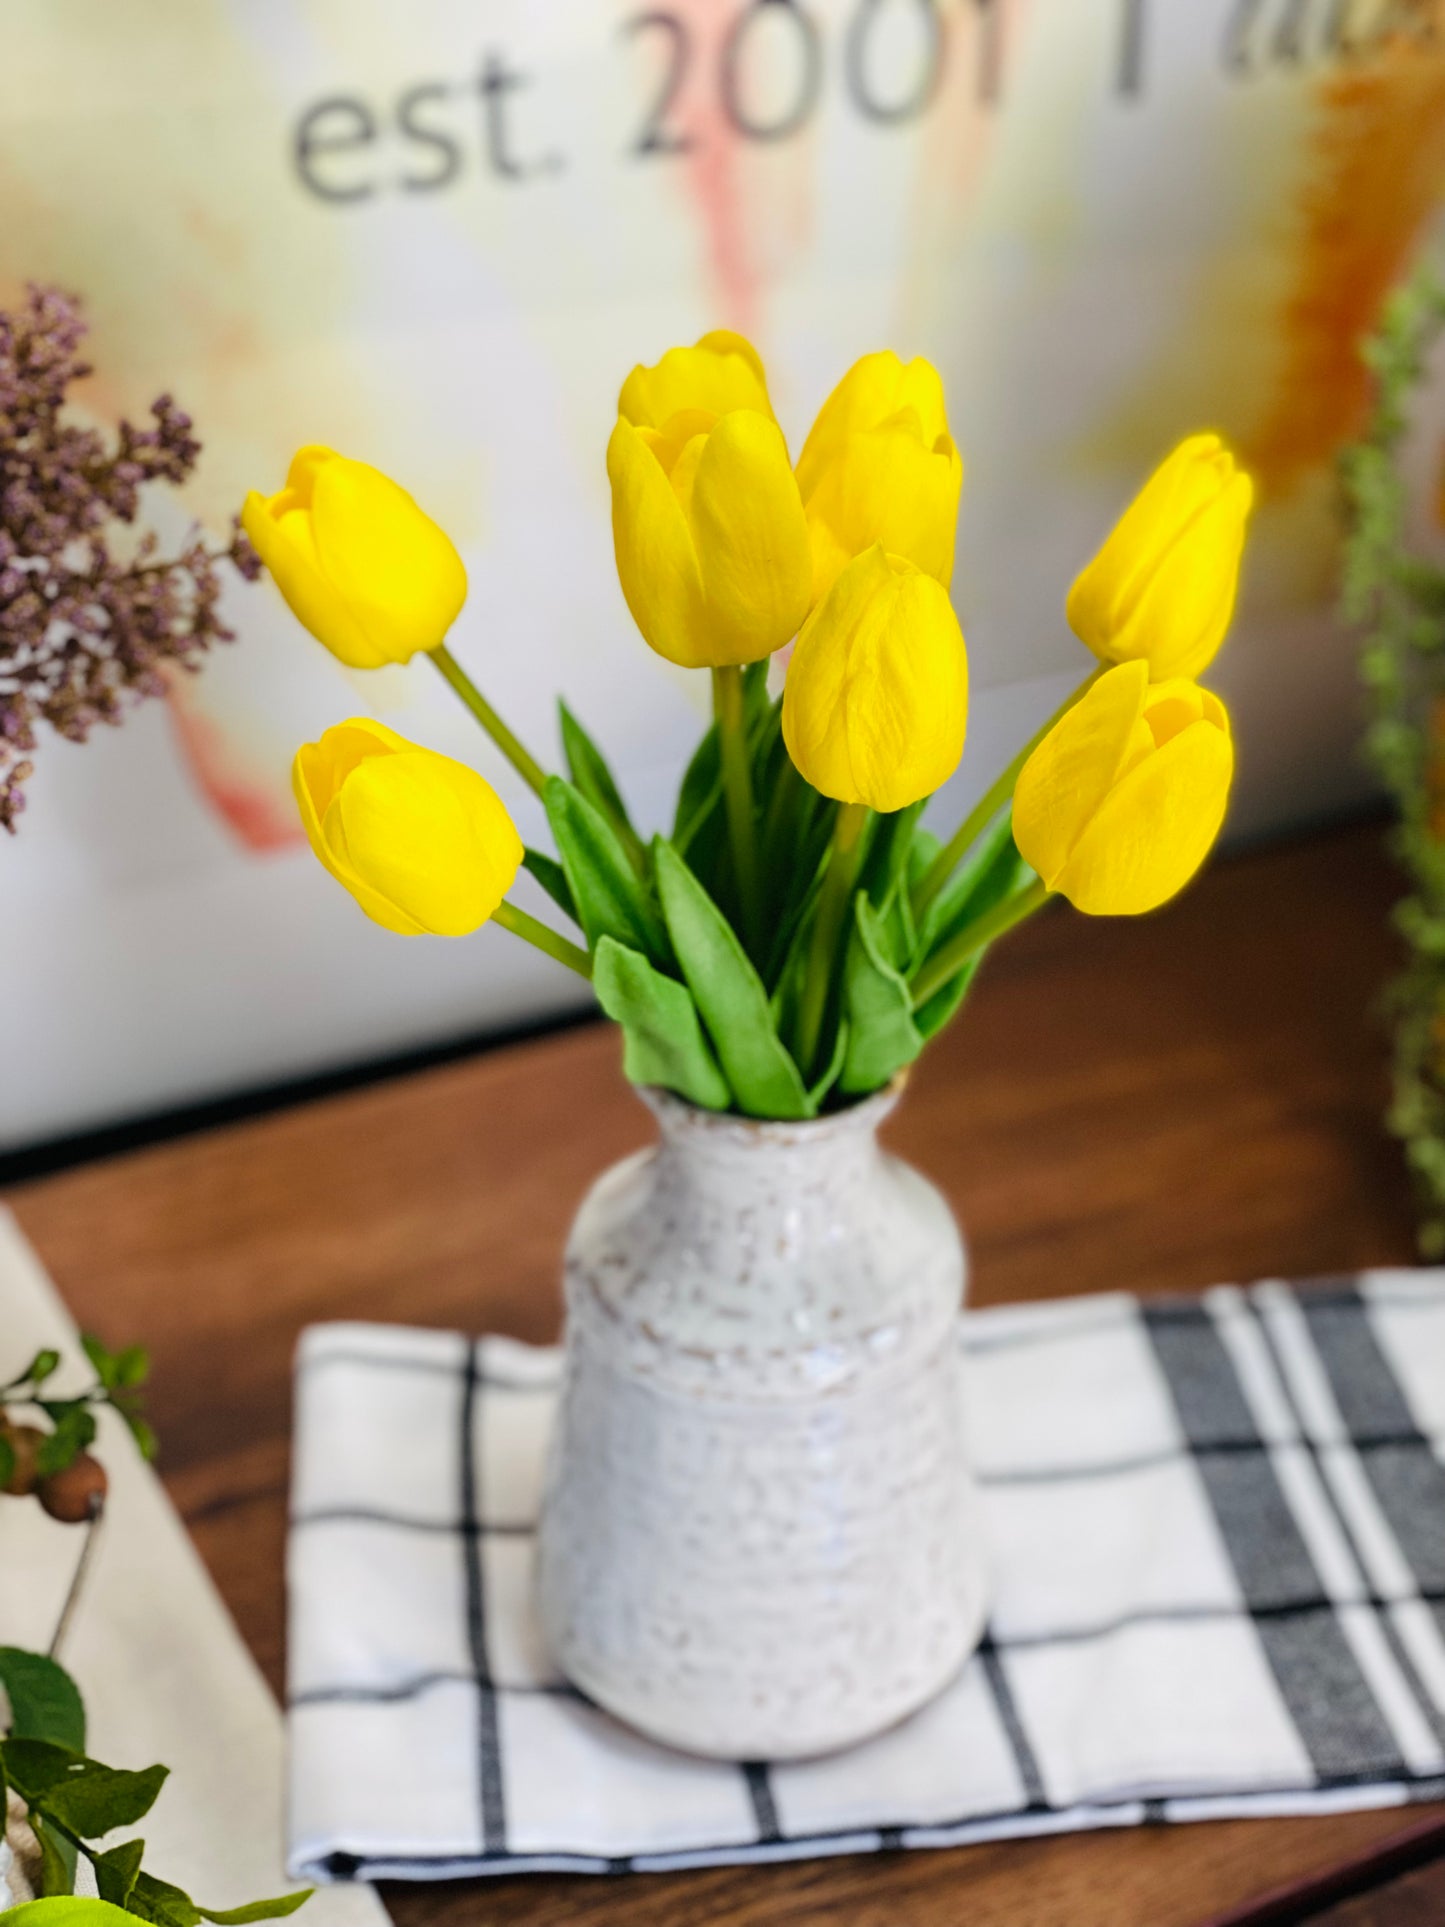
(164, 1672)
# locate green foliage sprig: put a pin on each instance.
(38, 1458)
(1399, 597)
(718, 1020)
(73, 1802)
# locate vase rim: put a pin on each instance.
(868, 1113)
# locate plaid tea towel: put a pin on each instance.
(1217, 1532)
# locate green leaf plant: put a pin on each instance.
(72, 1803)
(798, 937)
(1397, 597)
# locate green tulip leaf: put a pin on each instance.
(797, 829)
(701, 789)
(663, 1040)
(729, 994)
(834, 1071)
(882, 1036)
(992, 871)
(885, 861)
(45, 1702)
(592, 776)
(612, 900)
(944, 1004)
(553, 879)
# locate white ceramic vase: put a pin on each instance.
(759, 1538)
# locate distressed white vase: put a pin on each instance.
(758, 1539)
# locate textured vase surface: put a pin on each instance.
(758, 1539)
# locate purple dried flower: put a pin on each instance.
(82, 628)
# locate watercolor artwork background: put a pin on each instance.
(437, 236)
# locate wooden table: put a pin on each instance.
(1157, 1104)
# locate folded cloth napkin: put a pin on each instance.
(1217, 1534)
(163, 1671)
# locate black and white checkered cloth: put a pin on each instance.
(1217, 1528)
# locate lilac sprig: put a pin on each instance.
(90, 616)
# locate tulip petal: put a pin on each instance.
(1073, 769)
(337, 859)
(423, 843)
(751, 539)
(657, 565)
(430, 836)
(315, 782)
(395, 570)
(885, 485)
(1153, 830)
(1181, 618)
(875, 707)
(284, 544)
(1162, 587)
(875, 387)
(721, 373)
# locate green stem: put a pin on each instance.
(833, 901)
(728, 708)
(525, 764)
(542, 937)
(947, 962)
(986, 808)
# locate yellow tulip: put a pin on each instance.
(879, 465)
(1161, 590)
(876, 702)
(423, 843)
(712, 548)
(1122, 800)
(721, 373)
(363, 568)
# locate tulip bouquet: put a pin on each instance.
(799, 935)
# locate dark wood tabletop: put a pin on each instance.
(1157, 1104)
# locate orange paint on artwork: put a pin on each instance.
(719, 161)
(1377, 176)
(259, 814)
(712, 176)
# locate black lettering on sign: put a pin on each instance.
(1239, 33)
(863, 89)
(1289, 35)
(655, 136)
(1131, 49)
(790, 118)
(341, 124)
(498, 85)
(448, 164)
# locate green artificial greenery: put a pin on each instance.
(72, 1803)
(119, 1377)
(1399, 597)
(715, 1010)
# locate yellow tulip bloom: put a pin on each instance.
(876, 702)
(712, 548)
(722, 372)
(423, 843)
(1161, 590)
(879, 465)
(1122, 800)
(362, 567)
